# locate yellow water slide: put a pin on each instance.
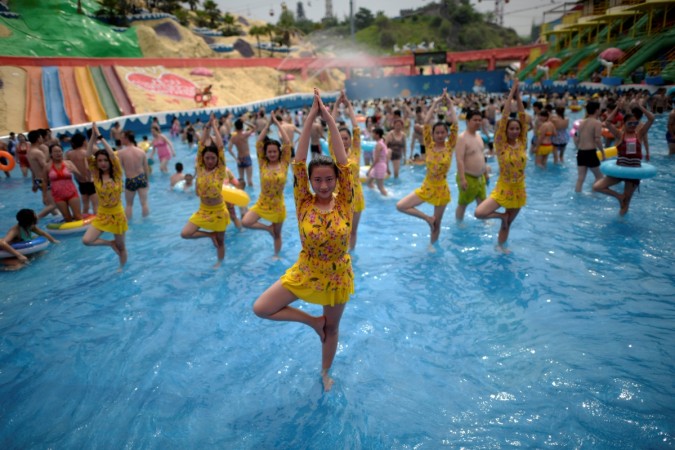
(92, 104)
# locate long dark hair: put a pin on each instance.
(213, 149)
(269, 142)
(111, 167)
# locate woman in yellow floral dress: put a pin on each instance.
(351, 140)
(273, 161)
(106, 171)
(323, 273)
(510, 143)
(211, 172)
(439, 141)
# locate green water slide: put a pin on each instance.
(595, 65)
(104, 94)
(531, 66)
(668, 72)
(574, 57)
(649, 51)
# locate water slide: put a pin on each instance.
(107, 100)
(649, 51)
(669, 72)
(574, 60)
(595, 65)
(90, 101)
(71, 96)
(118, 91)
(525, 73)
(53, 97)
(35, 110)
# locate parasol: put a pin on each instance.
(612, 54)
(553, 62)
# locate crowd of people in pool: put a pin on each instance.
(328, 191)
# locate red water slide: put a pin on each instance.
(36, 117)
(117, 89)
(71, 96)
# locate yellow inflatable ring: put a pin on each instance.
(10, 161)
(610, 152)
(237, 197)
(575, 108)
(76, 226)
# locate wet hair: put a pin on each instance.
(543, 113)
(130, 136)
(341, 129)
(472, 112)
(379, 131)
(560, 110)
(322, 161)
(213, 149)
(269, 142)
(440, 124)
(51, 147)
(592, 107)
(637, 113)
(179, 167)
(111, 168)
(77, 140)
(26, 218)
(33, 136)
(239, 124)
(538, 104)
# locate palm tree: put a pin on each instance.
(193, 4)
(212, 11)
(257, 31)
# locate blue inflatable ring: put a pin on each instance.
(27, 247)
(610, 169)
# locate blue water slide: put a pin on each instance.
(53, 97)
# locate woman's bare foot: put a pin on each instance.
(319, 326)
(623, 202)
(327, 380)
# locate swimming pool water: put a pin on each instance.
(565, 342)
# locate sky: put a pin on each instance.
(518, 14)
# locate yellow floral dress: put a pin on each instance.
(210, 185)
(270, 204)
(354, 158)
(110, 215)
(323, 272)
(510, 189)
(435, 189)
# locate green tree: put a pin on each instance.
(230, 26)
(256, 31)
(192, 4)
(286, 28)
(212, 12)
(182, 16)
(363, 19)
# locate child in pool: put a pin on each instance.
(22, 232)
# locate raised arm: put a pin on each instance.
(94, 137)
(303, 141)
(335, 138)
(608, 121)
(263, 133)
(452, 116)
(285, 139)
(431, 112)
(350, 111)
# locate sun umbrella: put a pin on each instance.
(289, 77)
(202, 71)
(552, 62)
(612, 54)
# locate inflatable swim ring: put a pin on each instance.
(10, 161)
(145, 146)
(489, 138)
(610, 152)
(607, 134)
(180, 187)
(368, 146)
(324, 147)
(610, 169)
(59, 227)
(236, 196)
(575, 108)
(27, 247)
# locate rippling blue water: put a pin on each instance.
(566, 342)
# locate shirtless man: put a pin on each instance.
(38, 160)
(136, 169)
(78, 156)
(471, 170)
(417, 134)
(315, 137)
(588, 140)
(290, 129)
(240, 140)
(116, 133)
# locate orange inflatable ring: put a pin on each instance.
(607, 134)
(10, 161)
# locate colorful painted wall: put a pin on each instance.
(363, 88)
